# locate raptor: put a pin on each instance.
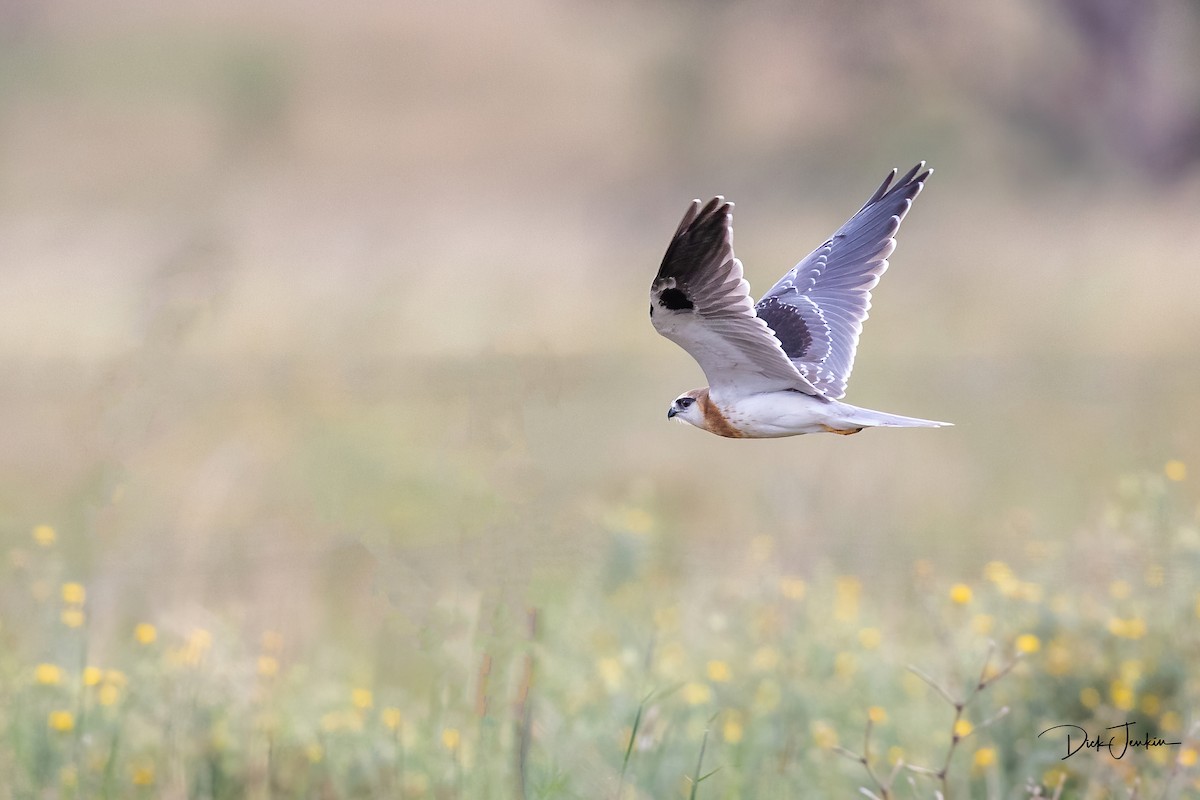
(778, 367)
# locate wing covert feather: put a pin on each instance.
(833, 284)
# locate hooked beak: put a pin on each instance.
(672, 412)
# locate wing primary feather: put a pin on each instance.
(689, 217)
(700, 300)
(882, 190)
(837, 279)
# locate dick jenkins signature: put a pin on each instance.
(1117, 745)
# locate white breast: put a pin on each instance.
(773, 414)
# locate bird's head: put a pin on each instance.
(688, 408)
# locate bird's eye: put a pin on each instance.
(685, 402)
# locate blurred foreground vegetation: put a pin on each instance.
(636, 679)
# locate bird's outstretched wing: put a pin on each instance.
(817, 309)
(700, 301)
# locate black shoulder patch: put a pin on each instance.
(789, 326)
(675, 300)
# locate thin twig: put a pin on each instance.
(933, 684)
(984, 681)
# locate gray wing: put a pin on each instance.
(817, 310)
(700, 301)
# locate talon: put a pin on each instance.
(841, 431)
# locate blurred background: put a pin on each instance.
(315, 314)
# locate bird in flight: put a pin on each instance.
(778, 368)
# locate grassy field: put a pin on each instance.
(655, 673)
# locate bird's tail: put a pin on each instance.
(866, 418)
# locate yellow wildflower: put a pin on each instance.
(451, 738)
(1089, 697)
(142, 775)
(1058, 658)
(732, 730)
(1175, 470)
(1121, 694)
(268, 666)
(719, 672)
(696, 693)
(997, 572)
(870, 638)
(765, 659)
(960, 594)
(145, 633)
(92, 676)
(847, 589)
(314, 752)
(823, 734)
(361, 698)
(1132, 628)
(611, 672)
(108, 695)
(45, 535)
(72, 617)
(845, 665)
(193, 651)
(1187, 756)
(61, 721)
(1130, 670)
(792, 588)
(963, 728)
(200, 640)
(48, 674)
(1028, 643)
(74, 593)
(672, 659)
(878, 715)
(984, 758)
(391, 717)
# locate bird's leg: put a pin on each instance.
(841, 432)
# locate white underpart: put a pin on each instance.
(774, 414)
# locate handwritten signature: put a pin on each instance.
(1112, 743)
